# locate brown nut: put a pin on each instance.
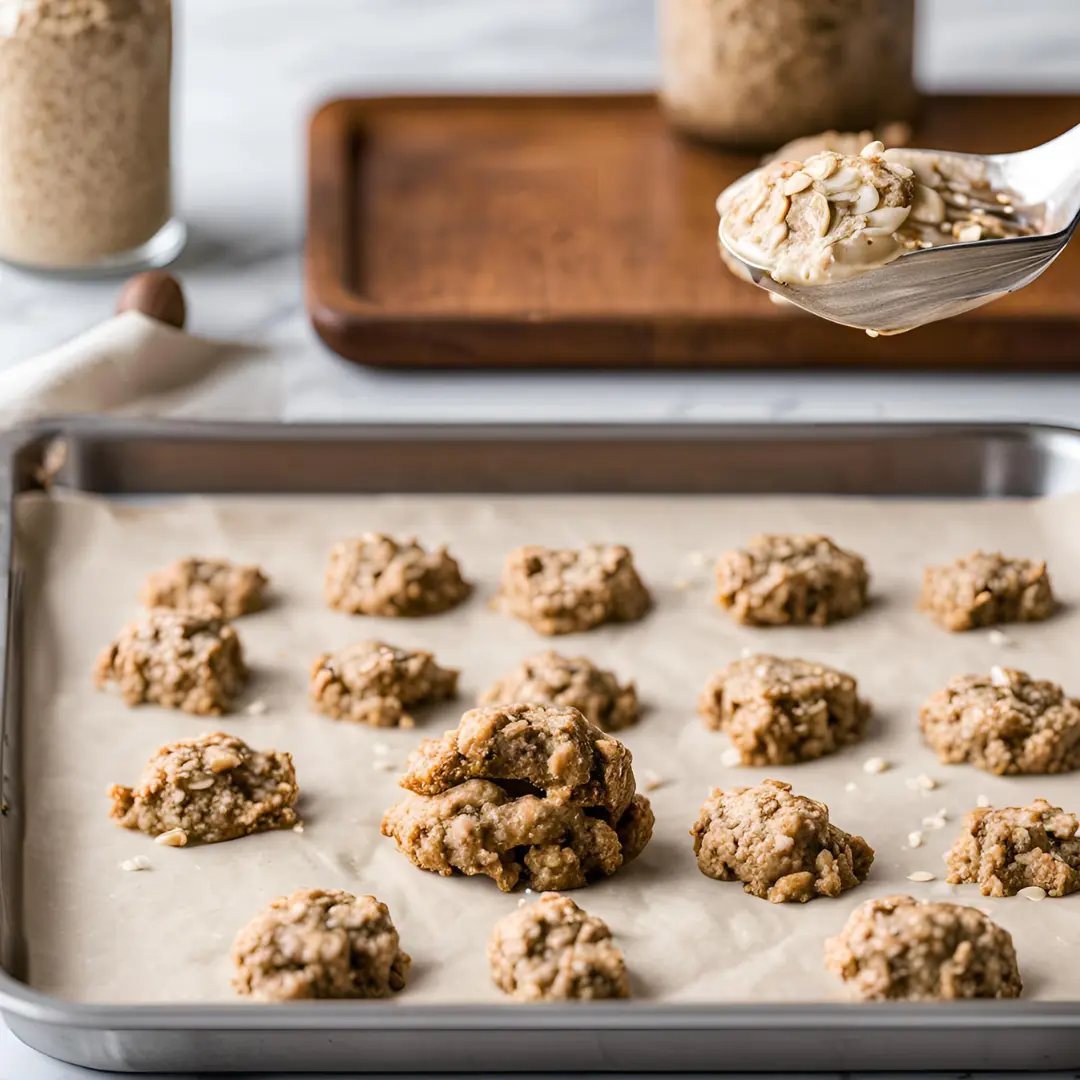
(156, 294)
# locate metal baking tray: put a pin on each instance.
(156, 459)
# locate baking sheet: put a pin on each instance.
(99, 934)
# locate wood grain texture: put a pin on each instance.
(581, 232)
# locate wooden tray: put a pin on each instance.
(580, 232)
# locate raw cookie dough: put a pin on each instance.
(983, 590)
(478, 828)
(554, 951)
(895, 948)
(378, 575)
(554, 749)
(825, 219)
(566, 591)
(1006, 850)
(551, 679)
(780, 846)
(1005, 722)
(209, 789)
(319, 944)
(794, 580)
(204, 584)
(825, 209)
(524, 794)
(372, 683)
(182, 660)
(778, 712)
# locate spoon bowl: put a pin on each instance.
(937, 283)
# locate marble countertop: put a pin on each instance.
(251, 71)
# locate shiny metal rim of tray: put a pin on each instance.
(143, 459)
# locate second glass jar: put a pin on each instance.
(758, 73)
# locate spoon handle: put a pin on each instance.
(1049, 174)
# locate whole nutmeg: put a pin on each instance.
(156, 294)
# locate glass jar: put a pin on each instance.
(85, 170)
(758, 73)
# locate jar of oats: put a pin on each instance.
(757, 73)
(85, 172)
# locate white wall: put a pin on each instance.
(1007, 44)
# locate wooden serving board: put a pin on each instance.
(581, 232)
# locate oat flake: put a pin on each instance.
(921, 875)
(651, 781)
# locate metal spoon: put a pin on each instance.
(924, 286)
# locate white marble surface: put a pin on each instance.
(251, 71)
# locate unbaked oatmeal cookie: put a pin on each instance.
(986, 589)
(551, 679)
(479, 828)
(781, 846)
(374, 683)
(779, 712)
(896, 948)
(378, 575)
(183, 660)
(206, 584)
(318, 944)
(524, 794)
(553, 749)
(209, 789)
(1005, 722)
(567, 591)
(1017, 847)
(796, 580)
(554, 951)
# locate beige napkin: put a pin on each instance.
(134, 365)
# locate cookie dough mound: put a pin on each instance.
(1005, 722)
(1006, 850)
(779, 712)
(791, 581)
(205, 584)
(566, 591)
(554, 951)
(209, 789)
(373, 683)
(635, 828)
(825, 219)
(550, 679)
(378, 575)
(782, 847)
(521, 793)
(895, 948)
(983, 590)
(478, 828)
(182, 660)
(554, 750)
(317, 944)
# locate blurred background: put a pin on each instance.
(249, 73)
